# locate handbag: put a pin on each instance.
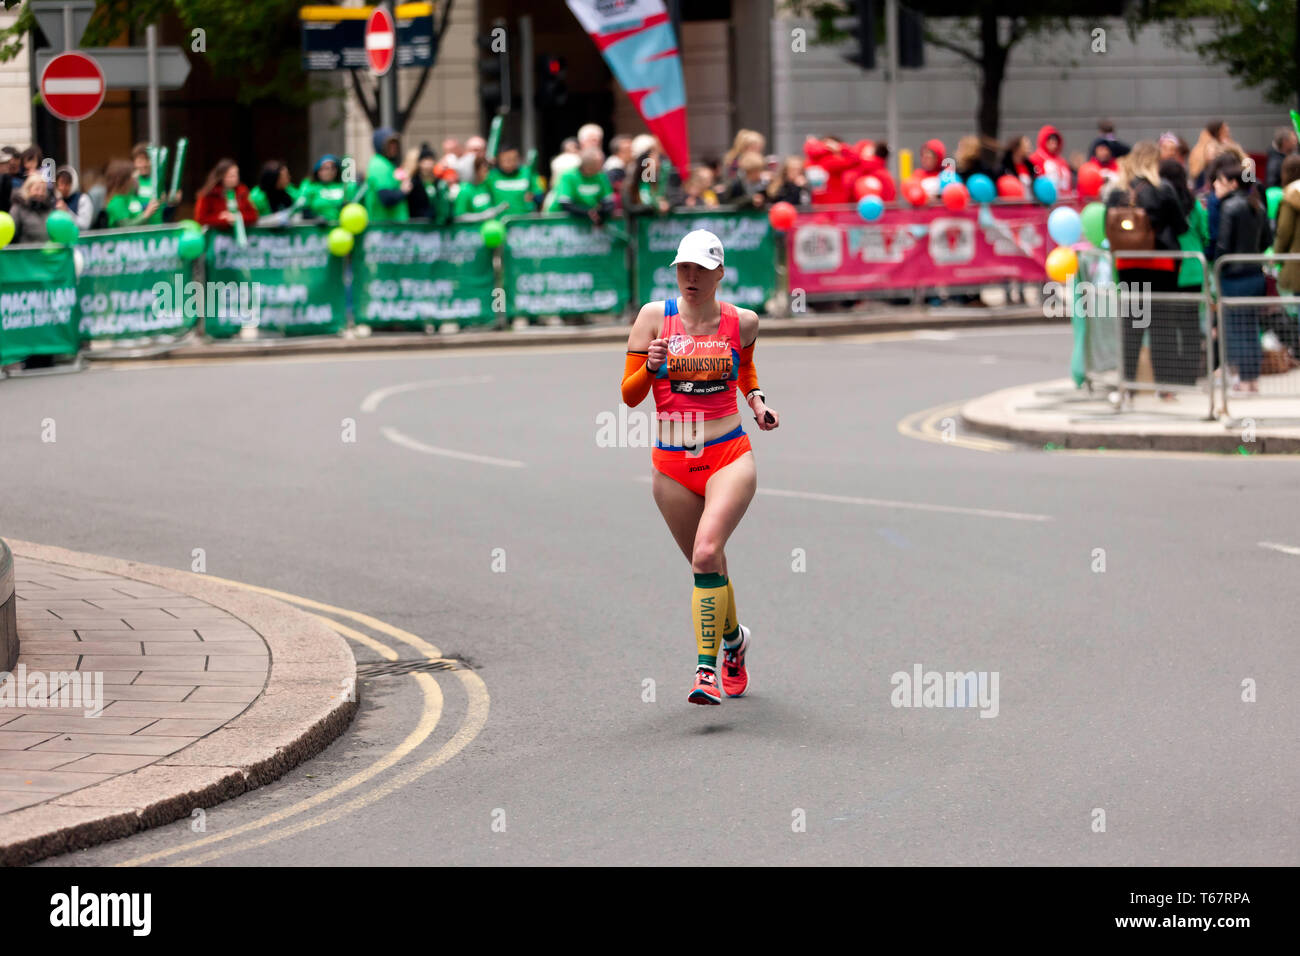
(1128, 228)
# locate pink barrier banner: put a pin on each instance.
(834, 251)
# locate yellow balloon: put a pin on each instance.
(1062, 262)
(6, 229)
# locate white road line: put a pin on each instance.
(397, 438)
(1284, 548)
(903, 505)
(372, 401)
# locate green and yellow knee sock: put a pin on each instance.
(731, 623)
(709, 608)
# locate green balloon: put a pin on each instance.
(62, 228)
(190, 246)
(353, 218)
(189, 225)
(340, 241)
(1274, 196)
(493, 233)
(1094, 222)
(6, 229)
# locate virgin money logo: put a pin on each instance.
(681, 345)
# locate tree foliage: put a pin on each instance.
(1254, 40)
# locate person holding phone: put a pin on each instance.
(695, 352)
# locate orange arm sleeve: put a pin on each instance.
(636, 379)
(747, 374)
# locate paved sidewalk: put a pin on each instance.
(142, 693)
(1056, 412)
(166, 669)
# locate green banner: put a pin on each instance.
(38, 302)
(749, 280)
(133, 282)
(409, 275)
(562, 265)
(284, 280)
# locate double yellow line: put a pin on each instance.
(225, 843)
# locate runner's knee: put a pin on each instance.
(706, 557)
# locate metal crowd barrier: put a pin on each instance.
(1174, 326)
(1259, 340)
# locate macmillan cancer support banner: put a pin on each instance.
(284, 280)
(38, 302)
(129, 281)
(562, 265)
(409, 275)
(749, 279)
(834, 252)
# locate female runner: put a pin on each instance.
(696, 352)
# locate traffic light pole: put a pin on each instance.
(891, 84)
(528, 119)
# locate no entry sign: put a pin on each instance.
(72, 86)
(381, 41)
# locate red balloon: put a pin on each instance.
(914, 193)
(781, 216)
(1090, 180)
(955, 196)
(867, 186)
(1010, 187)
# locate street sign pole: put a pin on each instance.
(151, 46)
(388, 83)
(74, 129)
(891, 84)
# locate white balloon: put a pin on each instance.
(931, 186)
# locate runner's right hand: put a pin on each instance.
(657, 355)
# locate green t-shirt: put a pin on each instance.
(124, 209)
(144, 192)
(473, 197)
(324, 200)
(513, 189)
(382, 174)
(586, 192)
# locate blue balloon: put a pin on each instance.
(1044, 190)
(946, 177)
(870, 208)
(1064, 226)
(981, 188)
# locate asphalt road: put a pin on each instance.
(1118, 690)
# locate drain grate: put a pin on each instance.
(418, 666)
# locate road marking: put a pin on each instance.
(475, 719)
(924, 425)
(479, 704)
(397, 438)
(429, 718)
(373, 400)
(905, 505)
(889, 503)
(406, 637)
(1284, 548)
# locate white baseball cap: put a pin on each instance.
(701, 247)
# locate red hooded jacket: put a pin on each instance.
(1053, 165)
(833, 163)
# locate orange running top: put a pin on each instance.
(699, 377)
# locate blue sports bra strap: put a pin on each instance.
(670, 307)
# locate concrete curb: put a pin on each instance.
(300, 711)
(893, 321)
(994, 415)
